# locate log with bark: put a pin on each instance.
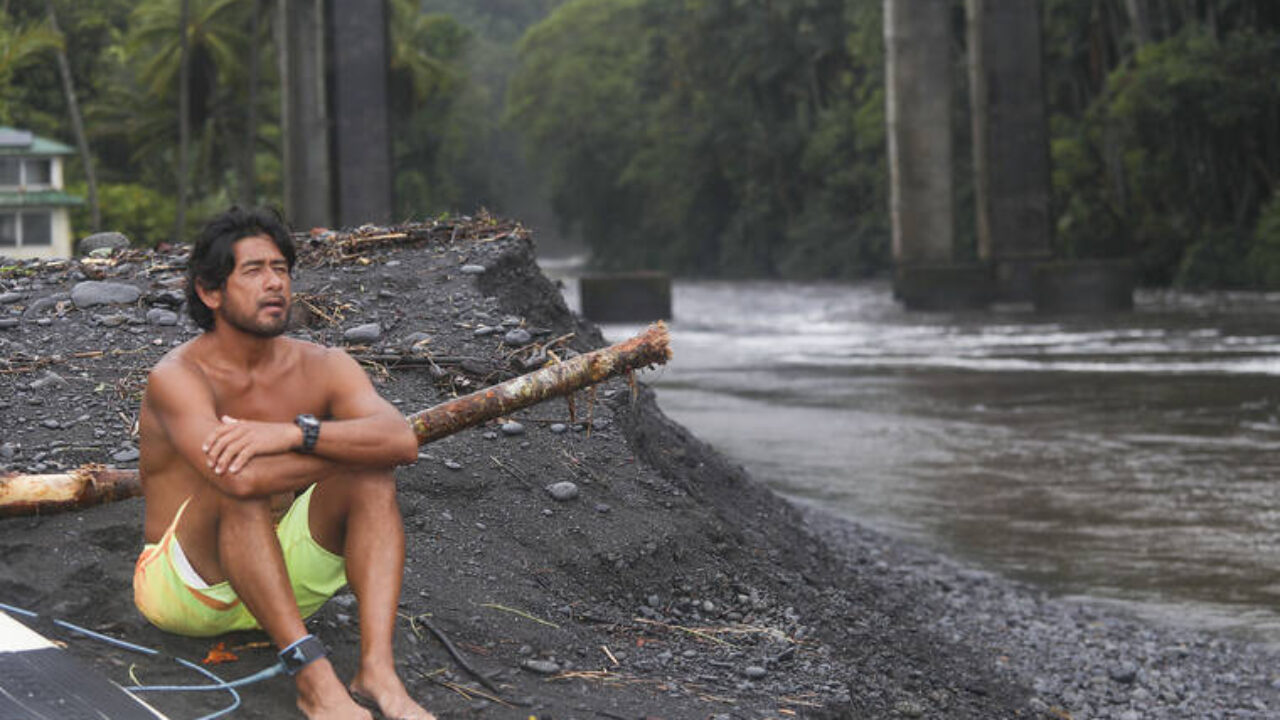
(82, 487)
(88, 485)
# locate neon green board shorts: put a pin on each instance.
(172, 604)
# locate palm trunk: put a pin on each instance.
(247, 189)
(77, 123)
(93, 484)
(184, 120)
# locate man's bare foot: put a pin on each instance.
(385, 689)
(322, 697)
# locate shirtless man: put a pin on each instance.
(229, 436)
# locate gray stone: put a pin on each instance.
(160, 316)
(484, 331)
(113, 320)
(8, 451)
(104, 240)
(128, 454)
(168, 298)
(559, 428)
(907, 708)
(563, 491)
(48, 378)
(51, 423)
(472, 269)
(1125, 673)
(48, 302)
(92, 293)
(511, 427)
(754, 672)
(10, 297)
(541, 667)
(6, 323)
(412, 340)
(368, 332)
(519, 336)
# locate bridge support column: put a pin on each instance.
(918, 112)
(1010, 141)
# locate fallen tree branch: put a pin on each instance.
(648, 348)
(85, 486)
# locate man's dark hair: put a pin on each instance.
(213, 257)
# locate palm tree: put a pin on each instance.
(184, 115)
(19, 45)
(211, 50)
(77, 122)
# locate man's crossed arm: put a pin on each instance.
(252, 458)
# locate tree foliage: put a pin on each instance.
(707, 137)
(711, 136)
(1167, 136)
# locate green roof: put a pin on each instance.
(14, 141)
(39, 198)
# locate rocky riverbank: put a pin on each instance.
(593, 563)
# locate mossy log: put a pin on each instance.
(22, 494)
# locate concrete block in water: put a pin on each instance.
(950, 286)
(626, 297)
(1084, 286)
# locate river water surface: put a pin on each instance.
(1130, 457)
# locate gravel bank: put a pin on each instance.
(1081, 660)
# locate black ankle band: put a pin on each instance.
(302, 653)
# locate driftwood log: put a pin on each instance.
(93, 484)
(86, 485)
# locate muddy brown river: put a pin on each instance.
(1132, 457)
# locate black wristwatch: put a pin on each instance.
(310, 431)
(302, 653)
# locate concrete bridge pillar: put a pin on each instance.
(918, 113)
(1010, 140)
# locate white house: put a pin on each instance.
(34, 210)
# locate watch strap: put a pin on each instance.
(301, 653)
(310, 427)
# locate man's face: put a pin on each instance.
(257, 293)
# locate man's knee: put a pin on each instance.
(366, 483)
(244, 508)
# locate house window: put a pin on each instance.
(37, 229)
(32, 228)
(8, 230)
(10, 171)
(26, 172)
(38, 172)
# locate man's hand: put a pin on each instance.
(235, 442)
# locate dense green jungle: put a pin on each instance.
(730, 138)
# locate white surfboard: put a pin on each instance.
(39, 681)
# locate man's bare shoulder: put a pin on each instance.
(180, 361)
(174, 375)
(317, 354)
